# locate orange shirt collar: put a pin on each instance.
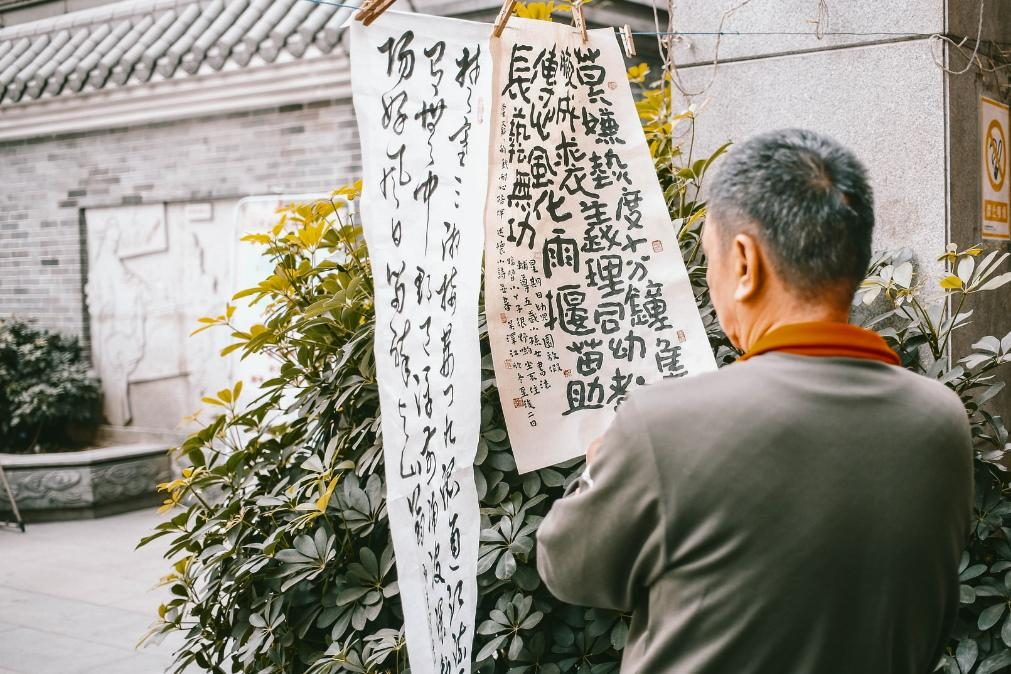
(824, 338)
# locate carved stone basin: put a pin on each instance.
(121, 473)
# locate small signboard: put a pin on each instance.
(993, 126)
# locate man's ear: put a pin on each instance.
(749, 267)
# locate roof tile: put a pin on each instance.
(124, 44)
(38, 79)
(77, 78)
(68, 65)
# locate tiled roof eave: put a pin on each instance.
(314, 77)
(134, 42)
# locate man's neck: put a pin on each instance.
(777, 317)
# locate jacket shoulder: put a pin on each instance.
(932, 394)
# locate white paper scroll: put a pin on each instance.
(586, 293)
(421, 87)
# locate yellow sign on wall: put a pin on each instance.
(995, 184)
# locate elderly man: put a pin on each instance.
(802, 511)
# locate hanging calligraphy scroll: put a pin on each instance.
(420, 86)
(586, 293)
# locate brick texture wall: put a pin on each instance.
(46, 183)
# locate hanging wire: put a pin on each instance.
(334, 4)
(811, 33)
(958, 45)
(818, 32)
(676, 33)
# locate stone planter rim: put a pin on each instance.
(120, 474)
(84, 457)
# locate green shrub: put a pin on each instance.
(280, 540)
(283, 560)
(48, 397)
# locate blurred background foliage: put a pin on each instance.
(50, 400)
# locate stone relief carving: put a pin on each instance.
(68, 486)
(119, 481)
(53, 488)
(153, 270)
(117, 319)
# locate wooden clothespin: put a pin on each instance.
(577, 16)
(371, 9)
(364, 9)
(503, 17)
(626, 40)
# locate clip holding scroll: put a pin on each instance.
(577, 16)
(364, 9)
(626, 40)
(371, 9)
(377, 9)
(503, 17)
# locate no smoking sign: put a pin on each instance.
(994, 185)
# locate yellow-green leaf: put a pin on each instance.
(951, 282)
(323, 501)
(638, 73)
(202, 328)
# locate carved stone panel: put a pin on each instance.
(153, 270)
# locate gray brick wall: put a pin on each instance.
(46, 183)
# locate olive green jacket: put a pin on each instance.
(785, 515)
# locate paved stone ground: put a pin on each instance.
(75, 597)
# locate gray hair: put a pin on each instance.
(809, 201)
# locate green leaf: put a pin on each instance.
(515, 646)
(526, 578)
(487, 560)
(369, 561)
(972, 572)
(993, 284)
(495, 435)
(994, 663)
(489, 648)
(532, 620)
(491, 627)
(506, 566)
(619, 635)
(990, 344)
(966, 654)
(292, 557)
(351, 594)
(552, 478)
(306, 546)
(989, 616)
